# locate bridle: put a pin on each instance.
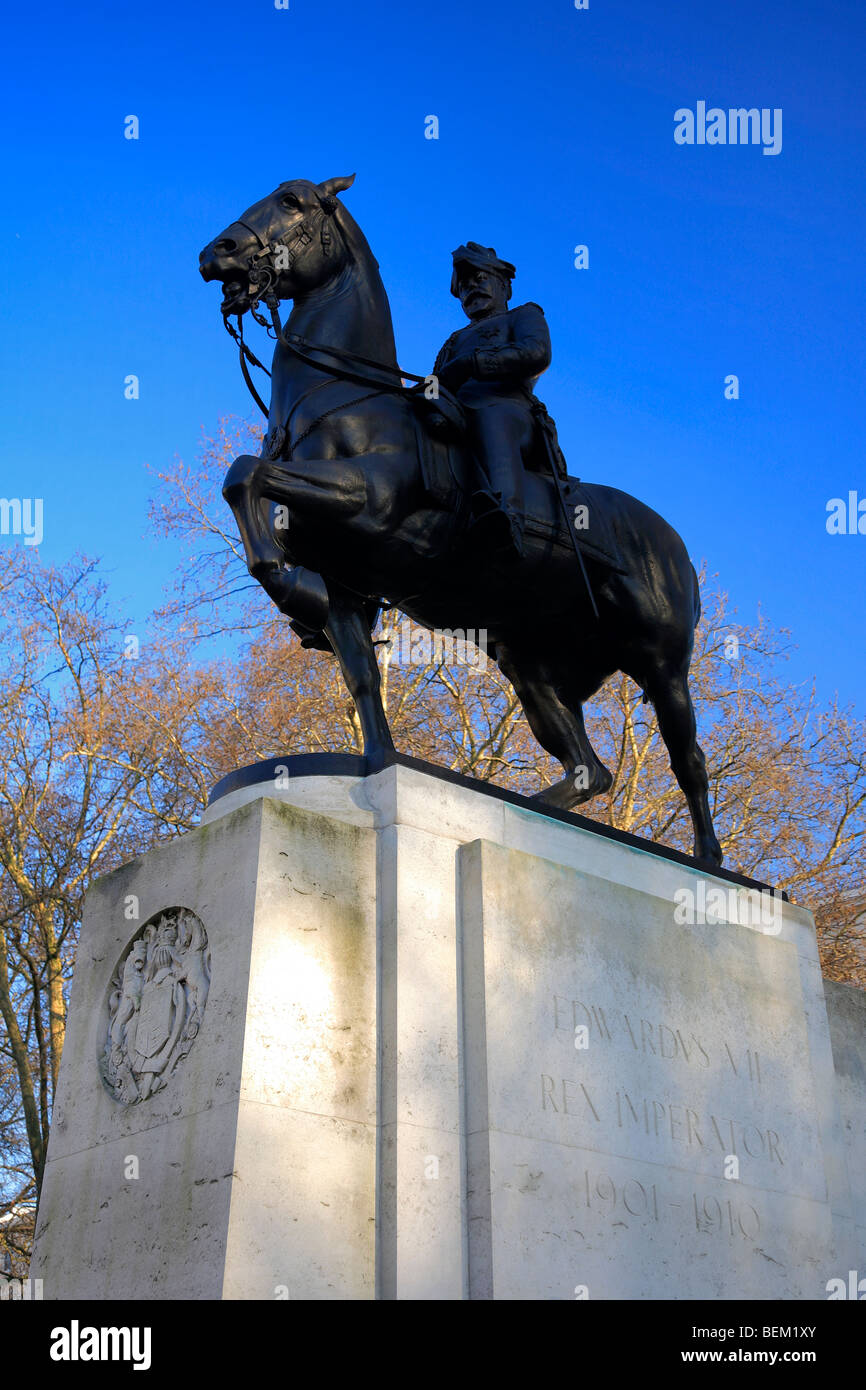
(263, 275)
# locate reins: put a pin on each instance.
(245, 355)
(294, 343)
(263, 275)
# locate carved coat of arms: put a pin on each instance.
(156, 1003)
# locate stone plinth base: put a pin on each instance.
(395, 1036)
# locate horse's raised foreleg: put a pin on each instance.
(250, 483)
(348, 631)
(242, 491)
(317, 489)
(296, 592)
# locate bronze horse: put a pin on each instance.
(361, 496)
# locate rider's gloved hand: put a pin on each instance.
(455, 373)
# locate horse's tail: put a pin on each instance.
(697, 596)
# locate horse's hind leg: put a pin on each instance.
(559, 728)
(348, 631)
(669, 692)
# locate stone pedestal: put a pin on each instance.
(395, 1036)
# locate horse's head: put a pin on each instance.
(285, 245)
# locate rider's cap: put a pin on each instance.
(482, 258)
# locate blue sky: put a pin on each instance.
(555, 129)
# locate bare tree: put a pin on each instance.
(110, 741)
(99, 736)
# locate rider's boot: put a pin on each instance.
(499, 529)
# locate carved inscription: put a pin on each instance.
(662, 1119)
(652, 1203)
(653, 1037)
(676, 1048)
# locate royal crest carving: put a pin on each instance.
(156, 1004)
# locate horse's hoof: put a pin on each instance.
(310, 640)
(298, 593)
(575, 789)
(707, 850)
(378, 755)
(584, 790)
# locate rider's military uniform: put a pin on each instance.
(492, 366)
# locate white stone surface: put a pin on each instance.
(421, 1167)
(257, 1162)
(696, 1049)
(342, 797)
(846, 1009)
(385, 1098)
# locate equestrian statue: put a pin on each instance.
(444, 496)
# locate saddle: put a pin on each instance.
(441, 431)
(442, 417)
(590, 517)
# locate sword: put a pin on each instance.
(558, 484)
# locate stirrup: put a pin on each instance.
(500, 531)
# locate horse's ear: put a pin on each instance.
(331, 187)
